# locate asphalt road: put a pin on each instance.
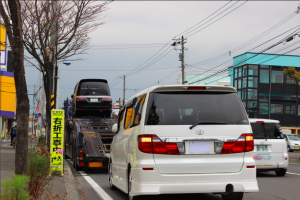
(95, 183)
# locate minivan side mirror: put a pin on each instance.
(114, 128)
(72, 96)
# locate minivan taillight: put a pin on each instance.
(80, 99)
(152, 144)
(245, 143)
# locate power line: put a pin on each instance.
(202, 20)
(250, 41)
(113, 70)
(151, 63)
(141, 68)
(217, 19)
(264, 61)
(226, 69)
(252, 49)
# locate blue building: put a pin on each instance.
(251, 74)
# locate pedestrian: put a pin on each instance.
(13, 134)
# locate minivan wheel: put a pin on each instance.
(289, 149)
(233, 196)
(281, 172)
(110, 177)
(130, 197)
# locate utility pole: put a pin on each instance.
(54, 37)
(182, 60)
(181, 41)
(124, 92)
(270, 72)
(33, 110)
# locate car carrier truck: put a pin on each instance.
(88, 136)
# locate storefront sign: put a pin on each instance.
(3, 48)
(57, 141)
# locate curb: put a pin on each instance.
(70, 185)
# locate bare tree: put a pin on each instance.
(13, 24)
(49, 24)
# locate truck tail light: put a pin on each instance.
(80, 153)
(108, 99)
(152, 144)
(245, 143)
(80, 99)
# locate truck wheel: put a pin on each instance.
(281, 172)
(110, 177)
(76, 167)
(233, 196)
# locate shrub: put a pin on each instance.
(38, 171)
(15, 188)
(41, 139)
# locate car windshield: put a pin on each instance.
(189, 108)
(266, 131)
(94, 88)
(294, 137)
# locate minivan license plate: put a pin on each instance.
(262, 148)
(199, 146)
(94, 100)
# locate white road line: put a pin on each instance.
(96, 187)
(292, 173)
(294, 164)
(82, 173)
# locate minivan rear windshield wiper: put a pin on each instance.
(206, 122)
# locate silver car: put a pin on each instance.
(293, 142)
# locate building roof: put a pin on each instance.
(266, 59)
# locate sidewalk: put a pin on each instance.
(64, 187)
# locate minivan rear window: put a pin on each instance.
(188, 108)
(93, 88)
(266, 131)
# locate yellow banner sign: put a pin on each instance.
(3, 38)
(57, 141)
(3, 48)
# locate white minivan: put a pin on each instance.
(183, 139)
(270, 149)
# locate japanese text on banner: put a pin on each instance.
(57, 140)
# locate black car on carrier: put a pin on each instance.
(92, 97)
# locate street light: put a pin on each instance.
(67, 63)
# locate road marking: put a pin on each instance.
(294, 163)
(96, 187)
(82, 173)
(292, 173)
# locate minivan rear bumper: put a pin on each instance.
(151, 182)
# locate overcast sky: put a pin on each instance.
(156, 23)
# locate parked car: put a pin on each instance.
(293, 142)
(183, 139)
(270, 149)
(92, 97)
